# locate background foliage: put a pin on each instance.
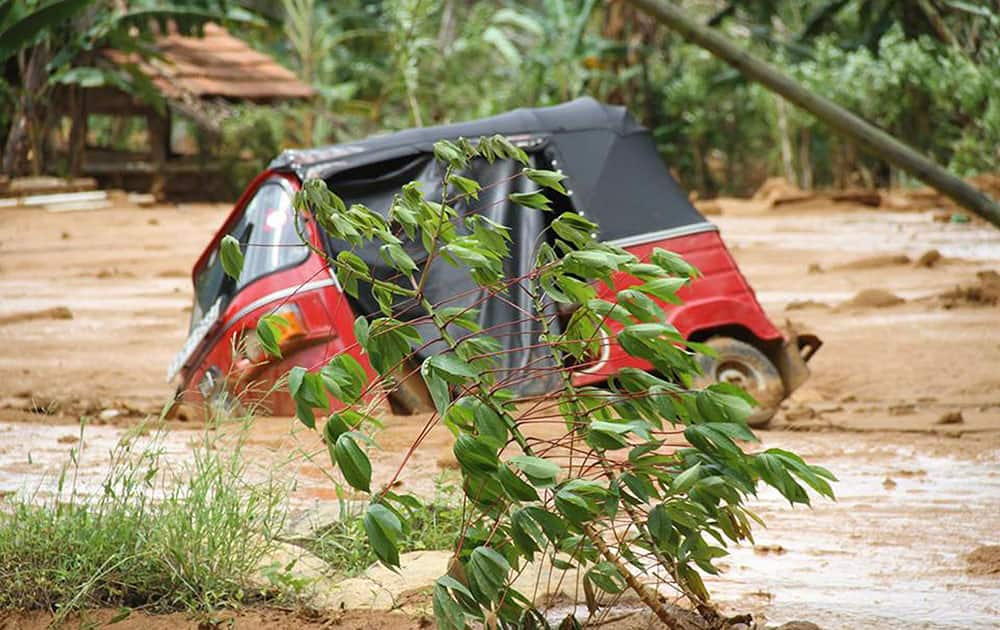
(925, 71)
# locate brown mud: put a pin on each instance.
(893, 555)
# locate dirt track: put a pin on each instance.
(890, 553)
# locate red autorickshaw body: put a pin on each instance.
(222, 361)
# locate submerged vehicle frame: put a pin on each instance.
(614, 175)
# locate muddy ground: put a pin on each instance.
(903, 404)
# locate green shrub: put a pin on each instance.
(184, 538)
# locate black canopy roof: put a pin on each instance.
(613, 169)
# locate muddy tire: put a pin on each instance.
(741, 364)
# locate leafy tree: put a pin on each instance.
(644, 479)
(46, 46)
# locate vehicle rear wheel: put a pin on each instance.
(741, 364)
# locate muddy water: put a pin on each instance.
(35, 459)
(875, 231)
(888, 554)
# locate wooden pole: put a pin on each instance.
(866, 135)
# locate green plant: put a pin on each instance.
(642, 478)
(191, 537)
(432, 525)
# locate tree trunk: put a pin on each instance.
(77, 131)
(805, 159)
(866, 135)
(25, 118)
(787, 159)
(159, 150)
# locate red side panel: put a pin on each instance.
(326, 317)
(721, 297)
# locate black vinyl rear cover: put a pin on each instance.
(614, 176)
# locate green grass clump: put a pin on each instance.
(184, 538)
(436, 525)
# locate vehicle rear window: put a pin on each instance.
(269, 239)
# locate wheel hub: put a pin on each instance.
(737, 373)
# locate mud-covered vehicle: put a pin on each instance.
(613, 175)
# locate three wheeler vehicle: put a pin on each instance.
(613, 176)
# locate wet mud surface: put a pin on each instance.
(903, 404)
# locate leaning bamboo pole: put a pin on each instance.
(866, 135)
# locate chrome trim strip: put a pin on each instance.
(277, 295)
(603, 359)
(684, 230)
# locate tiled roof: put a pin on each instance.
(217, 65)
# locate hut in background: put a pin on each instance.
(198, 78)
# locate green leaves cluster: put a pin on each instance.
(524, 502)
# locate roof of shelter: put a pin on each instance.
(217, 65)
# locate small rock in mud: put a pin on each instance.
(58, 312)
(802, 412)
(114, 273)
(873, 298)
(889, 483)
(68, 439)
(798, 305)
(109, 414)
(768, 549)
(987, 292)
(984, 560)
(928, 259)
(172, 273)
(952, 417)
(902, 410)
(875, 262)
(860, 196)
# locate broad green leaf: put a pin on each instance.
(487, 571)
(640, 306)
(673, 264)
(231, 256)
(295, 378)
(449, 153)
(659, 524)
(514, 486)
(268, 329)
(398, 259)
(353, 462)
(452, 368)
(304, 412)
(383, 529)
(575, 229)
(436, 385)
(686, 479)
(475, 455)
(605, 576)
(546, 179)
(663, 288)
(535, 200)
(469, 187)
(540, 472)
(28, 28)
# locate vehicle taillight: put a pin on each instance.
(292, 328)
